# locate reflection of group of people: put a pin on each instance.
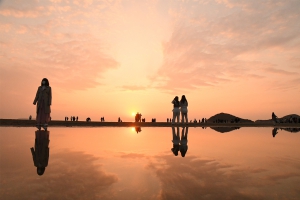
(179, 143)
(180, 107)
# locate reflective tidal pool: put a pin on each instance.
(156, 163)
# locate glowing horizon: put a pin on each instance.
(114, 58)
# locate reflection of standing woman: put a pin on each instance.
(40, 152)
(176, 110)
(43, 99)
(176, 140)
(184, 141)
(183, 109)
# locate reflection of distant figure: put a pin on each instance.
(40, 152)
(183, 141)
(138, 129)
(176, 141)
(176, 110)
(274, 131)
(274, 118)
(183, 109)
(43, 99)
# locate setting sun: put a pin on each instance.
(133, 113)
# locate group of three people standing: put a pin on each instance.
(180, 107)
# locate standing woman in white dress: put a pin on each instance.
(176, 110)
(184, 110)
(43, 99)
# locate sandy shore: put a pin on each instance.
(55, 123)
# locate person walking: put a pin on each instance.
(43, 99)
(183, 109)
(176, 110)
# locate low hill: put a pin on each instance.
(224, 129)
(227, 118)
(285, 119)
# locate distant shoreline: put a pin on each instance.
(56, 123)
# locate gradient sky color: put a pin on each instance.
(114, 57)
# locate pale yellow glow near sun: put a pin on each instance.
(133, 113)
(133, 129)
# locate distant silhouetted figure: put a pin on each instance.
(167, 120)
(274, 118)
(184, 141)
(202, 120)
(30, 117)
(43, 99)
(274, 131)
(183, 109)
(138, 117)
(119, 119)
(88, 119)
(176, 110)
(40, 152)
(77, 118)
(176, 140)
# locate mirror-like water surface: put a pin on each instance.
(156, 163)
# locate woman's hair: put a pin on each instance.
(46, 82)
(182, 152)
(40, 170)
(176, 98)
(183, 99)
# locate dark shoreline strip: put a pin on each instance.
(55, 123)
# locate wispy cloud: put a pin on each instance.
(210, 49)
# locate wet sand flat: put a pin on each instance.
(57, 123)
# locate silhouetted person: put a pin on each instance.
(176, 110)
(30, 117)
(167, 120)
(40, 152)
(88, 119)
(43, 99)
(119, 119)
(176, 140)
(274, 118)
(183, 109)
(77, 118)
(274, 131)
(183, 141)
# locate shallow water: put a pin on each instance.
(118, 163)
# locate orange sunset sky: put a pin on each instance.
(112, 58)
